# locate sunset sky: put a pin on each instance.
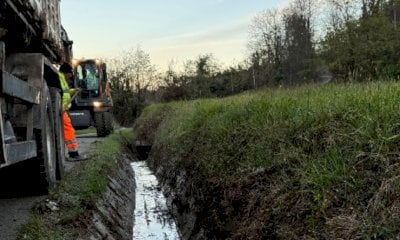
(166, 29)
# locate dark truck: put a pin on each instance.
(93, 105)
(32, 43)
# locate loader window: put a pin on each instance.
(87, 78)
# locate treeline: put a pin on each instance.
(344, 40)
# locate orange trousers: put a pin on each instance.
(69, 134)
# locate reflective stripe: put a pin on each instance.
(70, 142)
(72, 147)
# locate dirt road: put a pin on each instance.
(15, 211)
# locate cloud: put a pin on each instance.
(237, 30)
(227, 43)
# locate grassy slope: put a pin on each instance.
(75, 195)
(317, 162)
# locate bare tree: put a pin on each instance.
(371, 7)
(266, 46)
(140, 69)
(342, 11)
(131, 76)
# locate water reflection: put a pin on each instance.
(152, 218)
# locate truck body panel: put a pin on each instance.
(21, 97)
(48, 12)
(32, 42)
(35, 26)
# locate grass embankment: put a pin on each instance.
(318, 162)
(75, 195)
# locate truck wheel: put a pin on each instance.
(46, 153)
(58, 133)
(103, 123)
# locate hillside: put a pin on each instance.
(316, 162)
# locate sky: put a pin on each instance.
(177, 30)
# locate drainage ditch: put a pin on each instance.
(152, 219)
(132, 207)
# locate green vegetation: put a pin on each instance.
(85, 131)
(306, 42)
(75, 195)
(310, 162)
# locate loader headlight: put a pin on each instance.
(97, 104)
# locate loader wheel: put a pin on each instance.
(58, 133)
(46, 151)
(103, 123)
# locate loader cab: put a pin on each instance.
(92, 106)
(88, 77)
(91, 77)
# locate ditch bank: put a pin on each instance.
(302, 163)
(111, 217)
(95, 200)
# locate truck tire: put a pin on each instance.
(46, 151)
(103, 123)
(58, 133)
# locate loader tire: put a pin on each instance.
(103, 123)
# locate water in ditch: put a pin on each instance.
(152, 218)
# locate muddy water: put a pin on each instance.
(152, 219)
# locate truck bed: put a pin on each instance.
(33, 26)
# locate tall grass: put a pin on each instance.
(336, 144)
(271, 123)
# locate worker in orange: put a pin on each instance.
(64, 74)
